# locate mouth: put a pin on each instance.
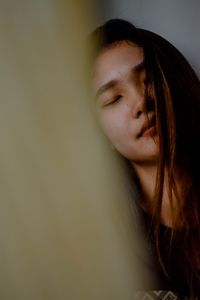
(149, 128)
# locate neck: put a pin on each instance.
(147, 177)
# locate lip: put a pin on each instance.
(151, 131)
(148, 129)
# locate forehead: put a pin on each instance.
(116, 62)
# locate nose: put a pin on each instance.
(138, 103)
(141, 104)
(139, 108)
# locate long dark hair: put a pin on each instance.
(176, 88)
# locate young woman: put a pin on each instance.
(148, 102)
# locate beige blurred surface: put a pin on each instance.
(64, 229)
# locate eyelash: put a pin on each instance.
(146, 81)
(114, 100)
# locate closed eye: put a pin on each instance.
(145, 82)
(113, 100)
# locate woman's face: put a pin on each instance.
(119, 85)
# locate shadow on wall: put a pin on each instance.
(176, 21)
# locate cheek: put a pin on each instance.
(115, 127)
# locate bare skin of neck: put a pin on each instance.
(147, 178)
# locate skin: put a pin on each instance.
(119, 85)
(122, 106)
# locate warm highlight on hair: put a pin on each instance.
(176, 90)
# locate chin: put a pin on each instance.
(150, 161)
(150, 157)
(144, 153)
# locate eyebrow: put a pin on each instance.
(112, 83)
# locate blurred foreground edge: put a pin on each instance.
(66, 229)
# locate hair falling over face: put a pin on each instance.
(173, 84)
